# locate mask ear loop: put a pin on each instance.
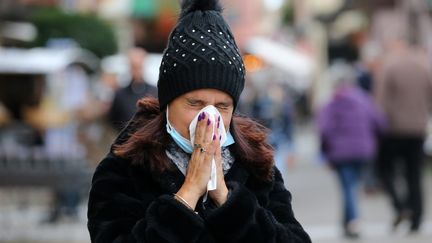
(169, 126)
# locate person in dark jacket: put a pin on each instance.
(123, 105)
(175, 174)
(404, 92)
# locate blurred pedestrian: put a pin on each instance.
(348, 126)
(176, 174)
(404, 91)
(124, 103)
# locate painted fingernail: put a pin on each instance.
(214, 137)
(199, 117)
(203, 115)
(220, 137)
(218, 124)
(219, 119)
(208, 122)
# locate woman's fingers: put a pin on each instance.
(218, 152)
(216, 139)
(218, 124)
(200, 129)
(206, 144)
(220, 194)
(208, 132)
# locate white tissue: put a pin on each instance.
(214, 114)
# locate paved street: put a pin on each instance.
(316, 204)
(315, 201)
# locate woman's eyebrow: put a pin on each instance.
(195, 100)
(225, 103)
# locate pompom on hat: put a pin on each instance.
(201, 54)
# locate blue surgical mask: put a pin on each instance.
(184, 143)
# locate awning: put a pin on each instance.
(283, 57)
(43, 60)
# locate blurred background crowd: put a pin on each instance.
(341, 84)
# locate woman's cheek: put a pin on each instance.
(227, 121)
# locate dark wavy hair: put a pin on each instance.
(147, 140)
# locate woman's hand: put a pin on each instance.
(219, 195)
(199, 168)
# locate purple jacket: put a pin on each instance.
(349, 125)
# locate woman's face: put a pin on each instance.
(184, 108)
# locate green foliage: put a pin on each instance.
(88, 31)
(288, 14)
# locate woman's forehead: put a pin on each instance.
(208, 95)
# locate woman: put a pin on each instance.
(154, 185)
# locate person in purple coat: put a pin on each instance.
(348, 126)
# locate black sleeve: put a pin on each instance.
(114, 112)
(243, 219)
(117, 213)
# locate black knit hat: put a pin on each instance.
(201, 53)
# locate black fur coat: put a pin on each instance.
(127, 203)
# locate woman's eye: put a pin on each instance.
(194, 104)
(222, 107)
